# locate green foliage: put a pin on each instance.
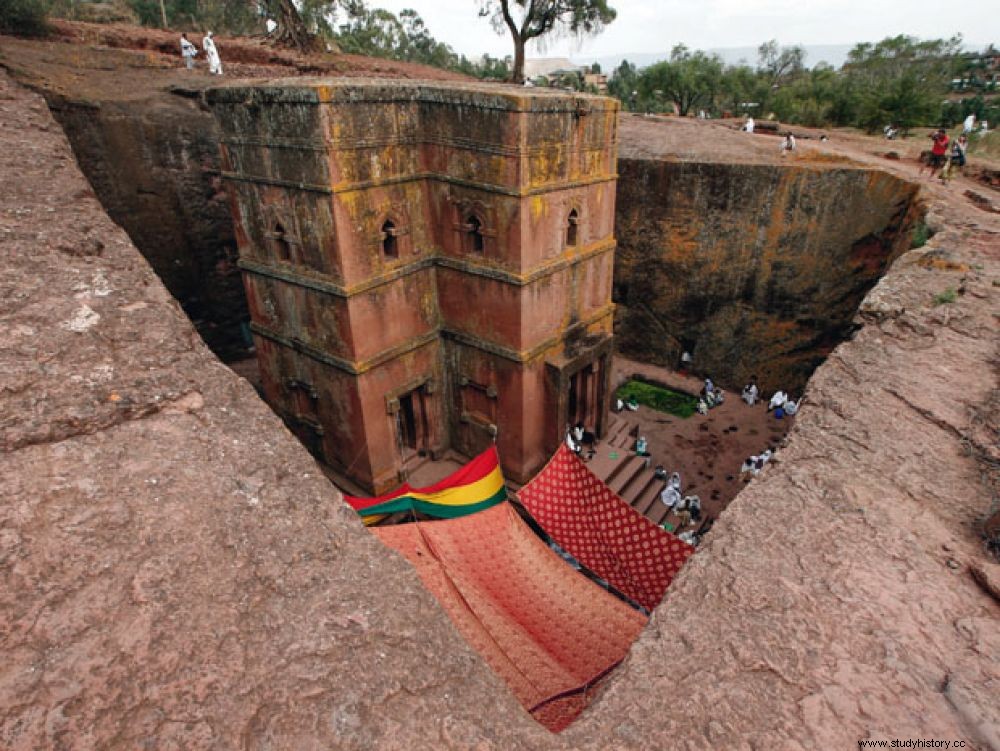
(685, 82)
(921, 234)
(948, 296)
(23, 17)
(659, 398)
(378, 33)
(899, 80)
(525, 20)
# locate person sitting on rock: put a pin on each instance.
(693, 504)
(571, 443)
(660, 473)
(632, 404)
(750, 393)
(619, 405)
(670, 496)
(675, 481)
(748, 468)
(702, 407)
(687, 537)
(791, 407)
(642, 448)
(779, 398)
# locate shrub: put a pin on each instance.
(921, 234)
(23, 17)
(948, 296)
(659, 398)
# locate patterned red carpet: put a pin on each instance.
(549, 632)
(594, 525)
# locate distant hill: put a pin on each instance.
(834, 54)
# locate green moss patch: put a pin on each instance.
(659, 398)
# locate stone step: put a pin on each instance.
(616, 427)
(603, 465)
(634, 487)
(650, 496)
(626, 472)
(658, 513)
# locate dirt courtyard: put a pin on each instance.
(707, 450)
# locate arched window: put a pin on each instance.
(474, 234)
(390, 245)
(571, 225)
(281, 243)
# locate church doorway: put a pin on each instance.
(412, 428)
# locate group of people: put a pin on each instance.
(781, 404)
(686, 508)
(753, 465)
(189, 52)
(710, 396)
(631, 404)
(946, 155)
(578, 437)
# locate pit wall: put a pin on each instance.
(154, 165)
(754, 269)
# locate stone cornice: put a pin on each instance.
(330, 287)
(522, 192)
(358, 367)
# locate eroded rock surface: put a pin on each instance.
(175, 573)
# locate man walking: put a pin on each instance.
(214, 63)
(188, 51)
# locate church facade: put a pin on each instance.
(428, 265)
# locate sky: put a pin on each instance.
(657, 25)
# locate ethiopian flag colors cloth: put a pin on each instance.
(476, 486)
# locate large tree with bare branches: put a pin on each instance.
(531, 19)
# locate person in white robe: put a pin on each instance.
(188, 51)
(778, 400)
(750, 394)
(791, 407)
(570, 443)
(675, 481)
(670, 496)
(749, 126)
(214, 62)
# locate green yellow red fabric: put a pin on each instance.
(549, 632)
(593, 524)
(476, 486)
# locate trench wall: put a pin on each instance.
(154, 165)
(754, 269)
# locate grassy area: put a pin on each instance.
(659, 398)
(988, 145)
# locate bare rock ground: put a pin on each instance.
(176, 573)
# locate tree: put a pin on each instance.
(291, 29)
(901, 80)
(779, 64)
(688, 79)
(533, 19)
(624, 84)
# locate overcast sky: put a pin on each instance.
(657, 25)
